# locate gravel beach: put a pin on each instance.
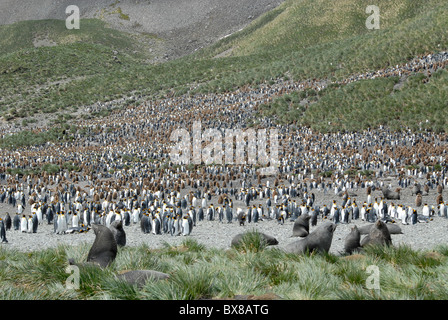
(215, 234)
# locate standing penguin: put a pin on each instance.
(314, 214)
(443, 210)
(229, 214)
(55, 224)
(255, 214)
(211, 213)
(50, 215)
(61, 224)
(345, 214)
(30, 224)
(16, 222)
(23, 224)
(39, 214)
(75, 221)
(7, 222)
(86, 217)
(241, 218)
(325, 211)
(126, 218)
(187, 225)
(200, 214)
(135, 215)
(426, 210)
(414, 217)
(145, 223)
(282, 217)
(177, 226)
(336, 215)
(192, 214)
(249, 214)
(35, 223)
(371, 214)
(405, 215)
(156, 225)
(3, 231)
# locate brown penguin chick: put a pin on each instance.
(418, 200)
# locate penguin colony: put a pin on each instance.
(121, 170)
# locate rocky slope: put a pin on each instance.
(184, 25)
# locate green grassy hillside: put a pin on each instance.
(25, 34)
(300, 39)
(329, 40)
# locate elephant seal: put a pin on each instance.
(318, 240)
(104, 248)
(393, 228)
(390, 195)
(140, 277)
(352, 241)
(270, 241)
(117, 230)
(301, 227)
(378, 235)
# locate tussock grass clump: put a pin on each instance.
(197, 272)
(251, 241)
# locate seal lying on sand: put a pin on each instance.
(393, 228)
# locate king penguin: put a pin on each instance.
(35, 223)
(229, 214)
(336, 215)
(241, 218)
(75, 220)
(30, 224)
(7, 221)
(145, 223)
(177, 226)
(3, 231)
(126, 218)
(425, 210)
(187, 225)
(314, 214)
(16, 222)
(86, 217)
(23, 224)
(414, 217)
(200, 214)
(355, 212)
(62, 224)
